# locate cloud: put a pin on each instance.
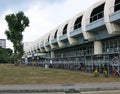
(45, 17)
(61, 12)
(4, 27)
(39, 25)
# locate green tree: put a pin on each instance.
(5, 55)
(16, 25)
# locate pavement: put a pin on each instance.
(82, 87)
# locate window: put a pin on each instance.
(97, 13)
(48, 38)
(78, 23)
(55, 36)
(111, 45)
(117, 5)
(65, 29)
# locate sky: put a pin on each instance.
(44, 15)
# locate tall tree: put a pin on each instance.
(16, 25)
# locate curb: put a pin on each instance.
(70, 90)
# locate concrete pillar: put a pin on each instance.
(52, 54)
(72, 41)
(47, 48)
(42, 49)
(61, 44)
(97, 47)
(54, 46)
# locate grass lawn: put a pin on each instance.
(10, 74)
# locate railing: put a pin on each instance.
(63, 37)
(76, 26)
(89, 66)
(97, 16)
(111, 50)
(41, 45)
(81, 66)
(117, 6)
(54, 40)
(47, 43)
(113, 7)
(64, 31)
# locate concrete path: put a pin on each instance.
(60, 87)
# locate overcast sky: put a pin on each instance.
(44, 15)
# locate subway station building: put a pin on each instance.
(92, 36)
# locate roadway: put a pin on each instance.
(61, 88)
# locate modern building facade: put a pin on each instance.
(92, 36)
(3, 43)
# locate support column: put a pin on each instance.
(53, 46)
(61, 44)
(52, 54)
(42, 49)
(72, 41)
(97, 47)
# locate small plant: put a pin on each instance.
(96, 73)
(105, 73)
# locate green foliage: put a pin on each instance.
(16, 25)
(5, 55)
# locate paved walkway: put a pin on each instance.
(59, 87)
